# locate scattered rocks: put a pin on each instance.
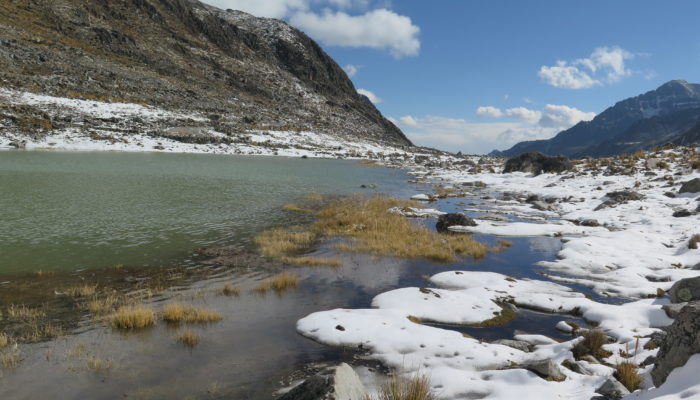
(18, 144)
(619, 197)
(452, 219)
(687, 289)
(335, 383)
(681, 342)
(537, 163)
(692, 186)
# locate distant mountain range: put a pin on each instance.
(669, 114)
(240, 71)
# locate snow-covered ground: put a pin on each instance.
(633, 250)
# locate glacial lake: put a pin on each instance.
(83, 213)
(79, 210)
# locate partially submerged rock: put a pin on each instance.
(453, 219)
(516, 344)
(335, 383)
(684, 290)
(681, 342)
(537, 163)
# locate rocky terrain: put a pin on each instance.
(196, 68)
(669, 114)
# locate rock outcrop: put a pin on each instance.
(537, 163)
(681, 341)
(692, 186)
(452, 219)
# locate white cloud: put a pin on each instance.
(263, 8)
(604, 66)
(408, 121)
(562, 117)
(524, 114)
(378, 29)
(351, 70)
(489, 112)
(371, 96)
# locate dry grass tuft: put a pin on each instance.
(98, 364)
(23, 312)
(296, 208)
(278, 243)
(9, 359)
(313, 196)
(592, 344)
(414, 319)
(178, 312)
(229, 290)
(133, 317)
(397, 388)
(693, 242)
(628, 374)
(82, 290)
(280, 283)
(4, 340)
(102, 305)
(376, 231)
(369, 163)
(188, 338)
(310, 261)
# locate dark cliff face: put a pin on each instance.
(653, 118)
(184, 55)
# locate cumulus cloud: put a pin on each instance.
(408, 121)
(604, 66)
(371, 96)
(524, 114)
(378, 29)
(489, 112)
(351, 70)
(559, 116)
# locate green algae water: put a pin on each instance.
(78, 210)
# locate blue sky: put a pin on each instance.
(474, 76)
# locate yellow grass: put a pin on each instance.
(188, 338)
(179, 312)
(82, 290)
(229, 290)
(102, 305)
(369, 163)
(9, 360)
(313, 196)
(628, 374)
(310, 261)
(279, 283)
(43, 331)
(296, 208)
(98, 364)
(284, 242)
(23, 312)
(376, 231)
(133, 317)
(4, 340)
(415, 388)
(592, 344)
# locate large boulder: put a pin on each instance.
(335, 383)
(546, 368)
(453, 219)
(611, 389)
(681, 341)
(692, 186)
(687, 289)
(537, 163)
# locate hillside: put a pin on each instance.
(225, 71)
(657, 117)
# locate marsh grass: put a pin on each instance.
(229, 290)
(369, 163)
(4, 340)
(279, 283)
(100, 306)
(133, 317)
(279, 243)
(627, 373)
(295, 208)
(500, 318)
(398, 388)
(592, 344)
(310, 261)
(188, 338)
(374, 230)
(313, 196)
(9, 359)
(179, 312)
(23, 312)
(98, 364)
(82, 290)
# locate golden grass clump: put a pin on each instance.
(397, 388)
(369, 163)
(279, 283)
(102, 305)
(314, 261)
(133, 317)
(296, 208)
(592, 344)
(9, 359)
(188, 338)
(178, 312)
(4, 340)
(23, 312)
(229, 290)
(628, 374)
(280, 242)
(374, 230)
(82, 290)
(98, 364)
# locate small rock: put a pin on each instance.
(692, 186)
(516, 344)
(545, 368)
(612, 389)
(589, 222)
(447, 220)
(340, 327)
(682, 213)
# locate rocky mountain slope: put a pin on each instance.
(212, 70)
(660, 116)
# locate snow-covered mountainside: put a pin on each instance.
(236, 73)
(654, 118)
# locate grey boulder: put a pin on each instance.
(687, 289)
(692, 186)
(680, 343)
(335, 383)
